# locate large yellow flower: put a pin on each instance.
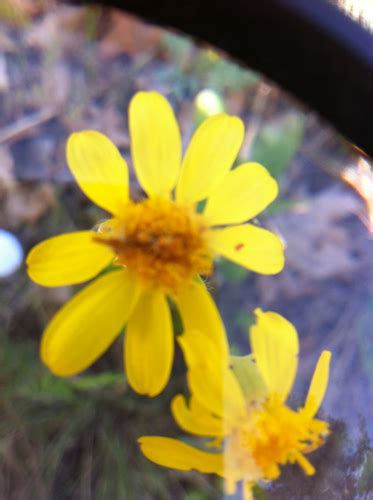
(242, 405)
(158, 246)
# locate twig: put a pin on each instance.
(25, 124)
(259, 105)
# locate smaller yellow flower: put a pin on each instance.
(240, 402)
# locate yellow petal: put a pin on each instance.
(67, 259)
(275, 346)
(86, 326)
(195, 419)
(318, 385)
(205, 333)
(149, 344)
(243, 194)
(199, 348)
(209, 157)
(199, 312)
(156, 143)
(305, 464)
(238, 466)
(99, 169)
(210, 380)
(178, 455)
(247, 488)
(250, 246)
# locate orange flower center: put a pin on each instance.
(273, 436)
(164, 244)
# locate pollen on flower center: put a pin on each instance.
(276, 435)
(163, 243)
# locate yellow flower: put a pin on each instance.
(158, 245)
(241, 403)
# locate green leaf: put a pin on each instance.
(224, 74)
(277, 143)
(232, 273)
(243, 320)
(196, 495)
(259, 493)
(366, 480)
(281, 205)
(97, 382)
(249, 378)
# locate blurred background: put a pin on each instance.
(362, 10)
(65, 68)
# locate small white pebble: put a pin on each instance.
(11, 253)
(209, 103)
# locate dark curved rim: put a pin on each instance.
(310, 48)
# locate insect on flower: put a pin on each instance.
(240, 402)
(158, 246)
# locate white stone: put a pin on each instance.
(11, 253)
